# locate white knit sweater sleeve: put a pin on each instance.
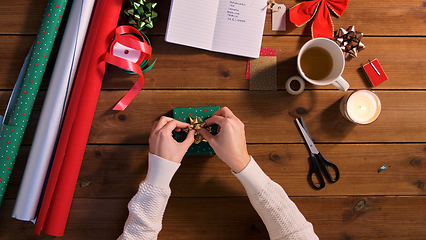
(146, 209)
(281, 216)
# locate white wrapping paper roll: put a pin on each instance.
(53, 110)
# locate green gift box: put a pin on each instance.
(183, 114)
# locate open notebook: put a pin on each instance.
(227, 26)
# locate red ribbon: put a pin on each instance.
(322, 25)
(127, 36)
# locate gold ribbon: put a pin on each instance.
(195, 124)
(349, 41)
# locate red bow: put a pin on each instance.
(322, 25)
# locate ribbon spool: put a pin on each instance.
(144, 62)
(301, 85)
(129, 51)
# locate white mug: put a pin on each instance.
(334, 77)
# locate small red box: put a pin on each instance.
(375, 72)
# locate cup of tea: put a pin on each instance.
(321, 62)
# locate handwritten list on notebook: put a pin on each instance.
(227, 26)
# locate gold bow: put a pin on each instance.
(195, 124)
(141, 14)
(349, 41)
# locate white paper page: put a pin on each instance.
(239, 27)
(192, 23)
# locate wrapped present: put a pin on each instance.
(375, 72)
(195, 116)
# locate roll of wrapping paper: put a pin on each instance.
(15, 122)
(52, 112)
(69, 153)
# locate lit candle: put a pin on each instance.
(361, 106)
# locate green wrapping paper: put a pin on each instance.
(13, 127)
(183, 114)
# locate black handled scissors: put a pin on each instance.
(316, 158)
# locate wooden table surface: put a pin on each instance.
(207, 201)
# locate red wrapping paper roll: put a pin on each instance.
(75, 131)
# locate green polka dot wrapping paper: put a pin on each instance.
(18, 113)
(183, 114)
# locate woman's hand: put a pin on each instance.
(162, 143)
(230, 142)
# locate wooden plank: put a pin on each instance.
(111, 171)
(180, 67)
(378, 18)
(234, 218)
(268, 117)
(382, 17)
(332, 218)
(21, 17)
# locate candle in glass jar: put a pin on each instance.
(361, 106)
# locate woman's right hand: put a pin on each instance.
(230, 142)
(162, 143)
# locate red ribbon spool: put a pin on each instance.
(122, 53)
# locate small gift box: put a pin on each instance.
(196, 117)
(375, 72)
